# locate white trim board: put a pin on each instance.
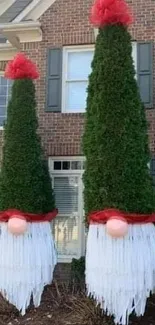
(5, 4)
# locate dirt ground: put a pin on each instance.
(59, 307)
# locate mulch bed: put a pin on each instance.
(57, 308)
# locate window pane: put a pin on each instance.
(84, 165)
(2, 110)
(2, 120)
(66, 194)
(3, 90)
(79, 65)
(3, 101)
(76, 96)
(57, 165)
(66, 165)
(3, 81)
(76, 165)
(65, 230)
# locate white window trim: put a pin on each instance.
(51, 161)
(81, 227)
(134, 55)
(81, 48)
(66, 50)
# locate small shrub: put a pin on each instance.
(78, 273)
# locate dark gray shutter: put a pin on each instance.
(145, 72)
(54, 80)
(152, 168)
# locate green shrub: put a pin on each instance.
(25, 181)
(115, 140)
(78, 272)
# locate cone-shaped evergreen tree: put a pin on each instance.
(25, 181)
(119, 195)
(115, 139)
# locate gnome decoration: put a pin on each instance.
(27, 251)
(119, 196)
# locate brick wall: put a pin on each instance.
(68, 24)
(65, 24)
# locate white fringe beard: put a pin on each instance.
(120, 273)
(26, 264)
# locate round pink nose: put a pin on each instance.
(17, 226)
(117, 228)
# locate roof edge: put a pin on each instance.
(34, 10)
(5, 5)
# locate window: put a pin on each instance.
(5, 91)
(76, 69)
(68, 227)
